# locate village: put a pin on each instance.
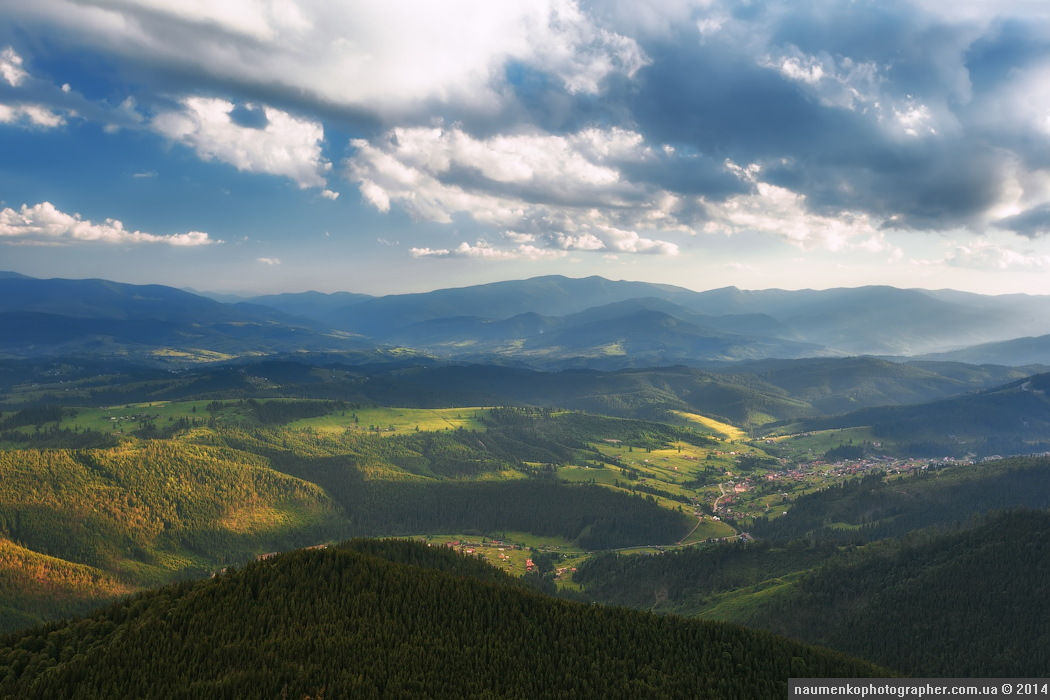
(760, 496)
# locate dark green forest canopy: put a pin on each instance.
(875, 507)
(970, 604)
(343, 623)
(962, 603)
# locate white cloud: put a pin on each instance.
(11, 67)
(630, 242)
(30, 115)
(1025, 96)
(569, 45)
(837, 82)
(261, 21)
(429, 252)
(983, 254)
(564, 192)
(914, 118)
(377, 55)
(330, 194)
(482, 250)
(807, 71)
(269, 261)
(285, 146)
(779, 211)
(858, 86)
(43, 223)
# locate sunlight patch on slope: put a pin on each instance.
(731, 432)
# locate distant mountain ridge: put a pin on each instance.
(841, 321)
(548, 322)
(101, 317)
(1010, 419)
(1017, 352)
(876, 320)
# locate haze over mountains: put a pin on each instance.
(547, 322)
(588, 415)
(594, 314)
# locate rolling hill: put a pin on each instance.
(749, 394)
(1010, 419)
(966, 604)
(839, 385)
(1016, 352)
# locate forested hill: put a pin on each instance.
(967, 604)
(346, 623)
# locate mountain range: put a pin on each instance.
(547, 322)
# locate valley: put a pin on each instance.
(715, 489)
(548, 349)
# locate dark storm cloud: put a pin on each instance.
(729, 106)
(1031, 223)
(689, 174)
(1007, 46)
(914, 140)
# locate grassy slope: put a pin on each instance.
(147, 511)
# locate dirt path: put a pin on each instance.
(699, 519)
(722, 491)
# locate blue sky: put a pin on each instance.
(283, 145)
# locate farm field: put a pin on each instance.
(729, 432)
(813, 444)
(124, 418)
(394, 421)
(356, 464)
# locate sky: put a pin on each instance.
(383, 146)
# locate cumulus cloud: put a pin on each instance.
(269, 261)
(484, 251)
(44, 224)
(330, 194)
(26, 109)
(606, 126)
(982, 254)
(564, 192)
(836, 82)
(782, 212)
(285, 145)
(30, 115)
(11, 68)
(375, 55)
